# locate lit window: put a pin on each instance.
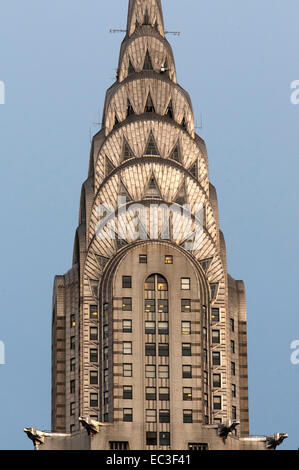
(150, 372)
(217, 403)
(163, 306)
(94, 377)
(186, 327)
(187, 416)
(215, 315)
(93, 334)
(186, 349)
(163, 328)
(94, 400)
(150, 305)
(128, 415)
(216, 358)
(162, 284)
(127, 304)
(150, 283)
(168, 259)
(127, 348)
(127, 282)
(187, 372)
(215, 336)
(164, 416)
(150, 349)
(127, 392)
(217, 380)
(164, 349)
(150, 393)
(165, 439)
(187, 394)
(127, 370)
(93, 312)
(185, 283)
(151, 416)
(143, 259)
(164, 394)
(93, 355)
(186, 305)
(127, 326)
(73, 321)
(163, 372)
(150, 328)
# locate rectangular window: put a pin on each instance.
(106, 376)
(234, 391)
(150, 393)
(187, 416)
(205, 356)
(127, 326)
(150, 349)
(106, 331)
(73, 364)
(234, 412)
(93, 355)
(94, 400)
(232, 325)
(215, 336)
(187, 394)
(165, 439)
(151, 416)
(168, 259)
(187, 372)
(93, 312)
(106, 398)
(164, 349)
(73, 321)
(94, 377)
(73, 342)
(233, 368)
(127, 304)
(127, 392)
(206, 400)
(162, 284)
(150, 328)
(163, 372)
(150, 283)
(206, 378)
(72, 409)
(128, 415)
(163, 328)
(217, 380)
(120, 445)
(216, 358)
(127, 348)
(214, 290)
(127, 370)
(150, 372)
(186, 305)
(72, 386)
(185, 283)
(164, 416)
(232, 347)
(151, 438)
(163, 306)
(143, 259)
(205, 334)
(164, 394)
(186, 349)
(106, 418)
(215, 315)
(198, 446)
(217, 403)
(127, 282)
(106, 353)
(186, 328)
(93, 334)
(150, 305)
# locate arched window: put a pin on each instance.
(156, 282)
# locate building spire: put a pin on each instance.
(145, 12)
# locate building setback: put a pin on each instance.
(149, 343)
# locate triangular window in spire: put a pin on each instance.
(148, 65)
(102, 261)
(149, 107)
(124, 193)
(205, 264)
(176, 154)
(146, 20)
(131, 69)
(130, 109)
(116, 120)
(181, 197)
(183, 124)
(152, 148)
(194, 170)
(119, 243)
(169, 110)
(153, 191)
(127, 151)
(109, 166)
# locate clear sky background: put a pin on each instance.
(237, 60)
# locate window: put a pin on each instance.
(204, 313)
(198, 446)
(106, 353)
(234, 391)
(185, 283)
(127, 304)
(94, 377)
(187, 372)
(106, 376)
(72, 409)
(215, 336)
(187, 394)
(216, 358)
(106, 331)
(165, 439)
(127, 370)
(186, 328)
(186, 349)
(73, 342)
(127, 348)
(150, 305)
(205, 356)
(206, 400)
(93, 312)
(150, 349)
(150, 283)
(214, 290)
(163, 328)
(118, 445)
(72, 386)
(143, 259)
(150, 393)
(163, 306)
(206, 420)
(205, 334)
(127, 326)
(93, 355)
(73, 321)
(187, 416)
(168, 259)
(127, 282)
(162, 283)
(106, 398)
(150, 372)
(73, 364)
(217, 403)
(164, 416)
(127, 392)
(215, 315)
(93, 334)
(94, 400)
(106, 418)
(206, 378)
(186, 305)
(164, 394)
(234, 412)
(232, 325)
(164, 349)
(72, 428)
(232, 347)
(217, 380)
(128, 415)
(151, 416)
(150, 328)
(163, 372)
(151, 438)
(233, 367)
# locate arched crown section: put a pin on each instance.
(145, 12)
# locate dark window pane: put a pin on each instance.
(187, 416)
(186, 349)
(150, 328)
(94, 400)
(150, 305)
(150, 349)
(163, 350)
(215, 315)
(187, 372)
(186, 305)
(93, 312)
(164, 394)
(163, 306)
(163, 328)
(94, 334)
(128, 415)
(216, 358)
(150, 393)
(217, 380)
(94, 355)
(151, 438)
(215, 336)
(127, 392)
(127, 282)
(187, 394)
(127, 304)
(164, 439)
(127, 326)
(143, 259)
(164, 416)
(94, 378)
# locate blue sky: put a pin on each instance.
(237, 61)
